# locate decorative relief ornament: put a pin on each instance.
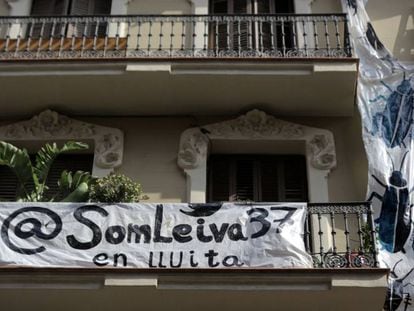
(50, 125)
(194, 147)
(323, 152)
(256, 124)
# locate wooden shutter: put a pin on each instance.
(265, 178)
(244, 185)
(47, 8)
(69, 162)
(90, 7)
(219, 179)
(294, 177)
(270, 181)
(284, 7)
(8, 184)
(218, 30)
(241, 29)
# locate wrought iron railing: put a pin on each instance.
(341, 235)
(176, 36)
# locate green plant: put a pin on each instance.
(367, 242)
(116, 188)
(32, 177)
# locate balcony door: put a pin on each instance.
(69, 7)
(249, 34)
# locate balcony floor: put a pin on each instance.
(311, 87)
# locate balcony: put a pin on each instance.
(222, 63)
(338, 236)
(174, 37)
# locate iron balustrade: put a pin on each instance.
(341, 235)
(175, 36)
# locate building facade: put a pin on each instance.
(200, 101)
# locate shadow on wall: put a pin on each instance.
(4, 8)
(394, 24)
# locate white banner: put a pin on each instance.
(153, 235)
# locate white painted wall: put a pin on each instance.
(393, 22)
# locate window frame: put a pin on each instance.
(255, 125)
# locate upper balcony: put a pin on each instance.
(175, 37)
(268, 57)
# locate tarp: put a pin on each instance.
(385, 101)
(144, 235)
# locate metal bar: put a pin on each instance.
(346, 232)
(264, 32)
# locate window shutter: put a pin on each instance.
(102, 7)
(90, 7)
(269, 176)
(8, 184)
(219, 179)
(45, 8)
(294, 176)
(49, 7)
(265, 178)
(263, 6)
(241, 29)
(81, 7)
(244, 186)
(285, 7)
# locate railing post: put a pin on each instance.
(19, 8)
(200, 7)
(119, 7)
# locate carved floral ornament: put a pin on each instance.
(49, 125)
(258, 125)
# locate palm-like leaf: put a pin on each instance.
(18, 161)
(69, 182)
(48, 153)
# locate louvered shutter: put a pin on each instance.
(241, 29)
(294, 177)
(102, 7)
(8, 184)
(82, 7)
(266, 178)
(219, 175)
(90, 7)
(284, 7)
(264, 29)
(218, 30)
(47, 8)
(244, 181)
(270, 180)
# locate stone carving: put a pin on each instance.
(50, 125)
(256, 124)
(193, 148)
(323, 152)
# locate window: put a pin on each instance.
(266, 178)
(69, 162)
(69, 7)
(248, 34)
